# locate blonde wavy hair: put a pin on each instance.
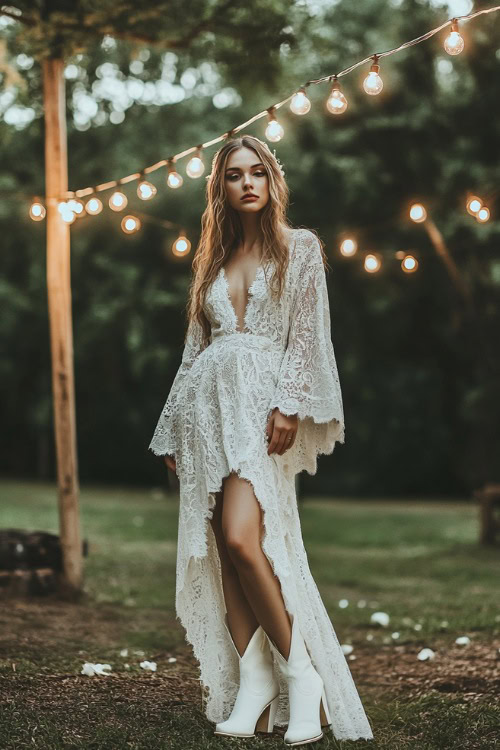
(222, 231)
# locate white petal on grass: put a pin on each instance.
(151, 665)
(369, 637)
(380, 618)
(90, 669)
(139, 653)
(124, 652)
(343, 603)
(426, 654)
(395, 635)
(417, 626)
(346, 648)
(462, 640)
(362, 603)
(172, 659)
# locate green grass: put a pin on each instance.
(419, 562)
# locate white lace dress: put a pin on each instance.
(214, 422)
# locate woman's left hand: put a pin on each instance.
(281, 431)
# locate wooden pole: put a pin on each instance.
(61, 335)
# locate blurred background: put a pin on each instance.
(418, 356)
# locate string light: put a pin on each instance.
(373, 84)
(300, 104)
(418, 213)
(348, 247)
(483, 214)
(195, 166)
(336, 102)
(93, 206)
(454, 43)
(67, 215)
(274, 131)
(182, 245)
(409, 264)
(146, 190)
(37, 210)
(130, 224)
(118, 201)
(373, 262)
(76, 205)
(174, 179)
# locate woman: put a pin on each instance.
(255, 400)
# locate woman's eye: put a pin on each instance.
(259, 173)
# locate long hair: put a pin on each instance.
(221, 228)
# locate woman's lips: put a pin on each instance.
(250, 198)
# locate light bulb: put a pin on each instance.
(274, 131)
(195, 166)
(474, 204)
(409, 264)
(372, 262)
(37, 211)
(174, 179)
(483, 214)
(454, 43)
(118, 201)
(336, 102)
(146, 190)
(76, 206)
(373, 84)
(300, 104)
(130, 224)
(67, 215)
(93, 206)
(348, 246)
(181, 245)
(418, 213)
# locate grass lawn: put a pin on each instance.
(419, 562)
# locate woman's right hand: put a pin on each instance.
(170, 461)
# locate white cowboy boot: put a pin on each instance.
(257, 700)
(308, 705)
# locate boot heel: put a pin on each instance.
(265, 722)
(324, 713)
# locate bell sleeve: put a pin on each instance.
(164, 437)
(308, 381)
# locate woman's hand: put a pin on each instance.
(281, 431)
(170, 461)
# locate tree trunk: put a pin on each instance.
(61, 336)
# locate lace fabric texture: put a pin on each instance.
(214, 422)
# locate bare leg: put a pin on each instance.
(241, 619)
(242, 531)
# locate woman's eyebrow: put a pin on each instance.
(259, 164)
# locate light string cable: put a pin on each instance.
(170, 161)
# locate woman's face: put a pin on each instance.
(246, 175)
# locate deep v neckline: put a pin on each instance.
(249, 294)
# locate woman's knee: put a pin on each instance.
(241, 546)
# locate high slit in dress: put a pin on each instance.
(214, 422)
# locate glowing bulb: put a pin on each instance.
(336, 102)
(474, 204)
(174, 179)
(418, 213)
(483, 214)
(409, 264)
(274, 131)
(373, 84)
(93, 206)
(372, 263)
(454, 43)
(130, 224)
(37, 211)
(348, 247)
(146, 190)
(76, 206)
(300, 104)
(195, 166)
(67, 215)
(118, 201)
(181, 245)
